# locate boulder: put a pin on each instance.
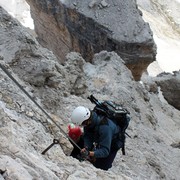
(92, 26)
(170, 87)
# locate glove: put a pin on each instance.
(84, 154)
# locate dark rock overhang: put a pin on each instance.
(89, 27)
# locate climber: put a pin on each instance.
(75, 133)
(97, 140)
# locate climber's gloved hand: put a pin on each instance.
(84, 153)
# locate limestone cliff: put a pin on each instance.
(170, 87)
(90, 26)
(152, 152)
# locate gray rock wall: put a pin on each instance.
(25, 131)
(89, 27)
(170, 87)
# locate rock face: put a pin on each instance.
(170, 87)
(28, 59)
(91, 26)
(25, 131)
(164, 19)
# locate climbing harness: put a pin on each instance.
(55, 141)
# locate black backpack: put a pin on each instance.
(117, 114)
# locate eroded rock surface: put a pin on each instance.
(90, 26)
(25, 131)
(170, 87)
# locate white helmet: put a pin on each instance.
(80, 114)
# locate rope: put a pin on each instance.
(16, 82)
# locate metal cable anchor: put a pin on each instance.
(55, 141)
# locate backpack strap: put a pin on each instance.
(122, 137)
(123, 149)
